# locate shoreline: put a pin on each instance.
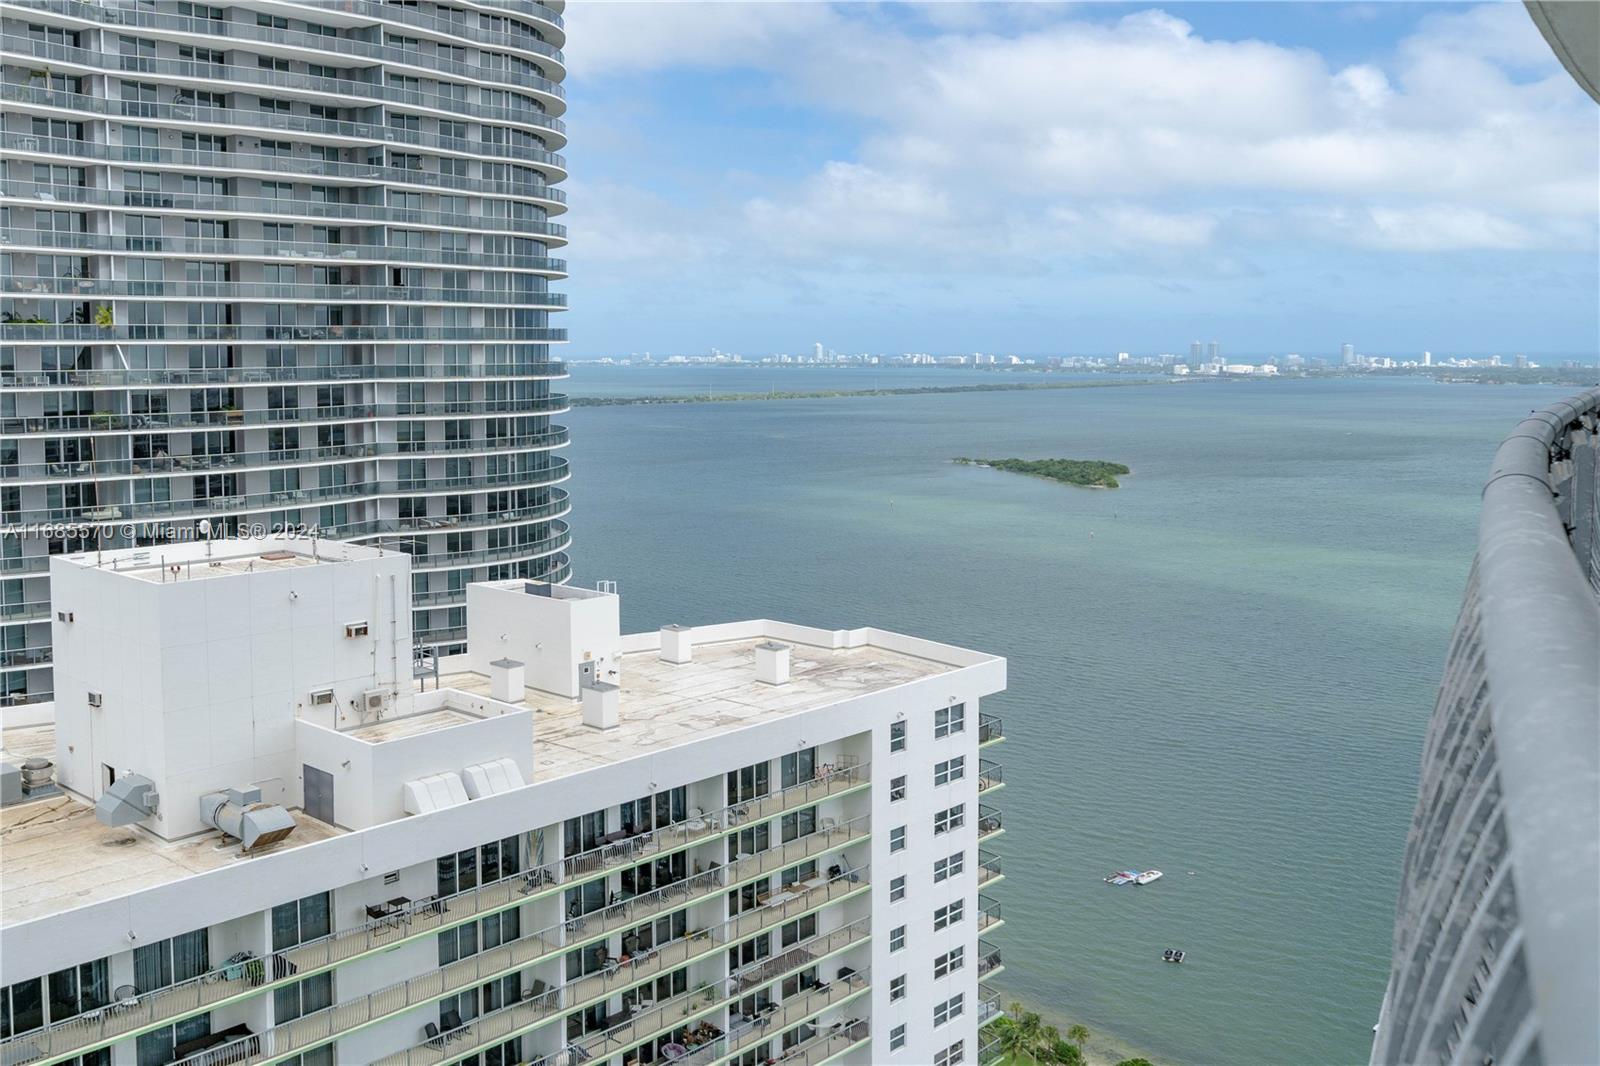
(837, 394)
(1102, 1048)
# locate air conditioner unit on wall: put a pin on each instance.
(94, 699)
(355, 629)
(374, 701)
(322, 697)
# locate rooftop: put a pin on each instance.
(55, 853)
(666, 704)
(191, 560)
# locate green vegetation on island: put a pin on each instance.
(1089, 473)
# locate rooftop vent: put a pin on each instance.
(506, 680)
(130, 798)
(602, 705)
(772, 663)
(433, 793)
(239, 813)
(677, 644)
(491, 778)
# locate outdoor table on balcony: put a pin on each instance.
(778, 899)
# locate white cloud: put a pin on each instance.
(1014, 134)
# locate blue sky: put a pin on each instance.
(1039, 178)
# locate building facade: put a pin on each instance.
(252, 837)
(276, 264)
(1500, 895)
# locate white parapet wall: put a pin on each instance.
(563, 636)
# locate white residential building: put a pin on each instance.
(265, 841)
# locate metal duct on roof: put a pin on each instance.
(434, 793)
(130, 798)
(491, 778)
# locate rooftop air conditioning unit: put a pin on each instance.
(322, 697)
(355, 629)
(94, 699)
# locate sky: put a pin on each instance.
(1077, 178)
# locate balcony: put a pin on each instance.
(989, 777)
(989, 1008)
(988, 913)
(426, 917)
(513, 1020)
(990, 729)
(989, 964)
(990, 824)
(988, 868)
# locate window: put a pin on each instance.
(953, 818)
(897, 889)
(159, 1047)
(950, 1056)
(947, 868)
(949, 914)
(948, 720)
(801, 766)
(950, 1008)
(303, 997)
(168, 962)
(897, 736)
(897, 789)
(897, 938)
(950, 770)
(949, 962)
(897, 839)
(897, 988)
(897, 1038)
(300, 920)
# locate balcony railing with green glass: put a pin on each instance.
(989, 963)
(990, 778)
(989, 916)
(988, 867)
(990, 729)
(990, 823)
(238, 981)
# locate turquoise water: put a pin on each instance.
(1223, 667)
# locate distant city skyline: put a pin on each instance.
(1278, 177)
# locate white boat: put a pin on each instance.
(1148, 876)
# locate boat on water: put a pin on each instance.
(1172, 955)
(1123, 877)
(1146, 877)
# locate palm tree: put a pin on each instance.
(1078, 1034)
(1014, 1040)
(1048, 1037)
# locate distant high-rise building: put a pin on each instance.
(819, 350)
(1427, 358)
(1521, 361)
(1347, 354)
(1214, 352)
(1194, 353)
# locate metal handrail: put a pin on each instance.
(988, 866)
(989, 820)
(988, 958)
(990, 727)
(246, 292)
(989, 775)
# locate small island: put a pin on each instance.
(1089, 473)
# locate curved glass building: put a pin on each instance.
(272, 264)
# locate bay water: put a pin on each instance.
(1222, 669)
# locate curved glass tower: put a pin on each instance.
(276, 264)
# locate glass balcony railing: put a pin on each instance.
(20, 332)
(988, 867)
(748, 1032)
(374, 51)
(343, 253)
(989, 915)
(431, 916)
(226, 73)
(988, 1008)
(989, 963)
(990, 778)
(106, 469)
(990, 728)
(990, 823)
(346, 212)
(237, 291)
(156, 421)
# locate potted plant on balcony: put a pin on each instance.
(104, 317)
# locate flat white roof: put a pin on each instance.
(55, 856)
(665, 704)
(195, 559)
